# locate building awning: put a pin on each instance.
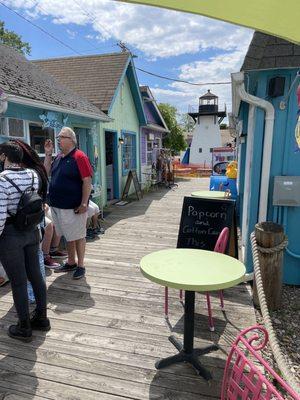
(278, 18)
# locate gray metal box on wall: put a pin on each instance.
(286, 191)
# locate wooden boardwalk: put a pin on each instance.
(108, 329)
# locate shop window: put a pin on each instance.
(16, 127)
(12, 127)
(38, 136)
(128, 152)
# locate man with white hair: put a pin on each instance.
(69, 190)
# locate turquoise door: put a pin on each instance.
(89, 146)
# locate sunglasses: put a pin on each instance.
(62, 137)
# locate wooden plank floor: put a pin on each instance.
(108, 329)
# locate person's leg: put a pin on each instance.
(48, 261)
(39, 318)
(80, 250)
(54, 251)
(55, 240)
(74, 229)
(71, 249)
(70, 265)
(47, 238)
(57, 219)
(34, 273)
(13, 261)
(95, 221)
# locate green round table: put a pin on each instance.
(210, 194)
(193, 271)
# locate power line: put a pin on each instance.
(80, 54)
(87, 41)
(41, 29)
(182, 81)
(87, 13)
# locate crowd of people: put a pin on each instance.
(63, 184)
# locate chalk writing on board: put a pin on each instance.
(202, 220)
(205, 214)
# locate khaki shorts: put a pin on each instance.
(68, 224)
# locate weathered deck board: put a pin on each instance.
(108, 329)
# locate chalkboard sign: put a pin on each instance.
(132, 176)
(202, 220)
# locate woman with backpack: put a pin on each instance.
(21, 209)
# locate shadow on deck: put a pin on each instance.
(108, 330)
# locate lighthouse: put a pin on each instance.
(206, 133)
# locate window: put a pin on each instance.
(149, 152)
(128, 152)
(200, 149)
(12, 127)
(2, 126)
(211, 149)
(38, 136)
(16, 127)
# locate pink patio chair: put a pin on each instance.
(248, 376)
(220, 247)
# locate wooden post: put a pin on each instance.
(268, 235)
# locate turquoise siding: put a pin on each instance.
(285, 161)
(125, 119)
(88, 136)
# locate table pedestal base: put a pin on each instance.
(191, 358)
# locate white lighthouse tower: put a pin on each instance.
(206, 133)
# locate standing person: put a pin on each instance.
(19, 249)
(69, 191)
(32, 160)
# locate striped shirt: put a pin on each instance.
(9, 196)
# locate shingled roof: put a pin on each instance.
(95, 77)
(269, 52)
(20, 77)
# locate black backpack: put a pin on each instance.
(30, 210)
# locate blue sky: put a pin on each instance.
(174, 44)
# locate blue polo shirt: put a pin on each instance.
(67, 173)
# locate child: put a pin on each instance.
(93, 222)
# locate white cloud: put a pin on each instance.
(215, 69)
(156, 32)
(71, 34)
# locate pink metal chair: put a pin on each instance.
(220, 247)
(247, 375)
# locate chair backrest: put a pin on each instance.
(221, 244)
(247, 375)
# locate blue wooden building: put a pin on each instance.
(34, 107)
(151, 135)
(264, 115)
(109, 82)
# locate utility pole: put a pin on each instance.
(125, 49)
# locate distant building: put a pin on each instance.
(206, 132)
(151, 134)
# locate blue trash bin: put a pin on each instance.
(223, 183)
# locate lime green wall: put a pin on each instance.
(125, 118)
